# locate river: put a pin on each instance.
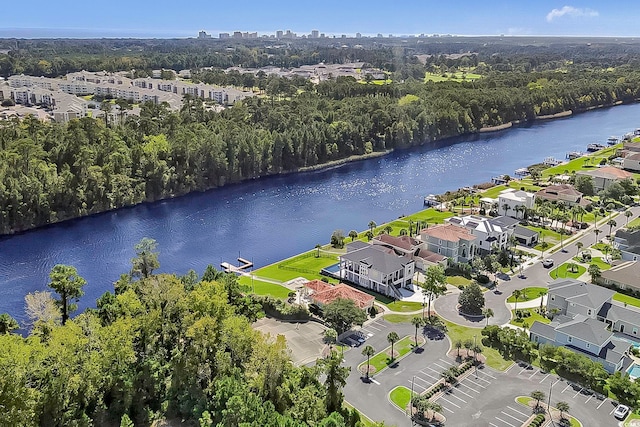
(272, 218)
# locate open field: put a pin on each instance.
(259, 287)
(458, 76)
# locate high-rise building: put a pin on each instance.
(204, 35)
(358, 35)
(224, 35)
(279, 34)
(314, 34)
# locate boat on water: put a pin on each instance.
(521, 172)
(574, 155)
(595, 147)
(612, 140)
(431, 200)
(550, 161)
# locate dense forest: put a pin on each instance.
(52, 172)
(160, 347)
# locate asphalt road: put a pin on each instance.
(536, 275)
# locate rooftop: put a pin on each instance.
(449, 232)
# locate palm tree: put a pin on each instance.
(388, 229)
(628, 214)
(450, 376)
(487, 313)
(368, 351)
(372, 224)
(538, 396)
(562, 407)
(579, 246)
(353, 234)
(594, 272)
(596, 232)
(542, 294)
(434, 284)
(467, 345)
(458, 346)
(506, 208)
(393, 338)
(318, 246)
(330, 337)
(417, 322)
(611, 223)
(516, 294)
(477, 349)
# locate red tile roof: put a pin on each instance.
(448, 232)
(331, 293)
(318, 285)
(608, 172)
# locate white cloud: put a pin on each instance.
(571, 11)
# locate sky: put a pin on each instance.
(143, 18)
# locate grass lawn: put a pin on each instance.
(634, 223)
(299, 266)
(404, 306)
(259, 287)
(458, 280)
(627, 299)
(600, 263)
(381, 360)
(400, 396)
(458, 76)
(549, 236)
(562, 271)
(494, 358)
(589, 162)
(529, 320)
(528, 294)
(493, 192)
(399, 318)
(431, 215)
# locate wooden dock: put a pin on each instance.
(230, 268)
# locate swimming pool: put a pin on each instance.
(634, 371)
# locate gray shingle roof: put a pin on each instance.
(504, 221)
(524, 231)
(356, 244)
(543, 330)
(588, 295)
(586, 329)
(377, 259)
(615, 311)
(626, 273)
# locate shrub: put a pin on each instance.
(483, 279)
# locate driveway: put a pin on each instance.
(305, 340)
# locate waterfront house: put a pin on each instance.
(631, 162)
(587, 321)
(628, 242)
(377, 268)
(411, 248)
(491, 233)
(513, 199)
(451, 241)
(322, 293)
(602, 178)
(565, 193)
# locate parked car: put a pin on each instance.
(547, 263)
(621, 412)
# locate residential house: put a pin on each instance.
(411, 248)
(491, 233)
(587, 321)
(451, 241)
(623, 275)
(526, 236)
(628, 242)
(514, 200)
(565, 193)
(377, 268)
(603, 177)
(322, 293)
(631, 162)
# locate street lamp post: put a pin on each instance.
(475, 355)
(424, 302)
(411, 400)
(549, 401)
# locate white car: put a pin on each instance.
(621, 412)
(547, 263)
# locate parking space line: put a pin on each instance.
(511, 367)
(441, 367)
(521, 413)
(446, 409)
(565, 389)
(487, 374)
(374, 328)
(577, 393)
(473, 382)
(482, 379)
(523, 369)
(451, 394)
(602, 403)
(511, 416)
(474, 390)
(590, 397)
(534, 374)
(614, 408)
(542, 380)
(493, 425)
(509, 424)
(445, 362)
(460, 391)
(424, 381)
(449, 402)
(413, 384)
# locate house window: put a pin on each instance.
(589, 312)
(570, 339)
(535, 338)
(588, 345)
(439, 242)
(553, 298)
(635, 331)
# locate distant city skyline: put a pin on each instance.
(615, 18)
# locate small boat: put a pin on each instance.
(595, 147)
(521, 172)
(574, 155)
(612, 140)
(636, 132)
(550, 161)
(431, 200)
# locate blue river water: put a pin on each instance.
(272, 218)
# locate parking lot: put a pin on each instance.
(495, 404)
